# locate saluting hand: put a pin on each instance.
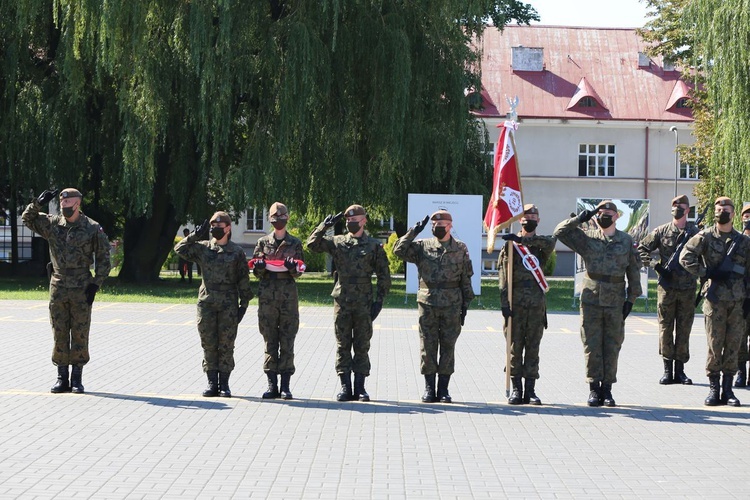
(201, 232)
(586, 215)
(331, 220)
(419, 226)
(46, 196)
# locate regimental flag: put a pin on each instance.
(506, 202)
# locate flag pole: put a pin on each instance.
(509, 325)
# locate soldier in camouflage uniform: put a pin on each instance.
(355, 257)
(675, 292)
(75, 243)
(529, 310)
(444, 296)
(278, 305)
(609, 256)
(222, 297)
(720, 256)
(743, 355)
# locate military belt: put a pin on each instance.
(279, 276)
(354, 281)
(439, 284)
(220, 287)
(605, 278)
(79, 271)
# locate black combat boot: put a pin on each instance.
(285, 392)
(594, 394)
(429, 389)
(740, 381)
(212, 390)
(359, 388)
(442, 389)
(273, 386)
(667, 378)
(679, 374)
(529, 396)
(606, 395)
(76, 379)
(224, 391)
(516, 395)
(713, 390)
(346, 387)
(727, 395)
(62, 384)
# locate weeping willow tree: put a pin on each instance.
(162, 111)
(708, 39)
(722, 34)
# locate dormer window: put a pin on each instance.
(587, 102)
(682, 103)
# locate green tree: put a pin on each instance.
(163, 110)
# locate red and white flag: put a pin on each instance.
(506, 202)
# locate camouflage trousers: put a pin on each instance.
(527, 330)
(353, 328)
(602, 334)
(70, 317)
(217, 327)
(439, 328)
(675, 313)
(278, 322)
(724, 329)
(743, 355)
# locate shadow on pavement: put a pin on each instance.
(730, 416)
(208, 404)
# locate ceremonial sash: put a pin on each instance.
(531, 263)
(277, 266)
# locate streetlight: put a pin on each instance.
(676, 158)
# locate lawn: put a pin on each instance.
(314, 289)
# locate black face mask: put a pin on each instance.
(68, 212)
(605, 221)
(217, 232)
(677, 212)
(746, 225)
(724, 217)
(439, 232)
(529, 226)
(353, 227)
(279, 224)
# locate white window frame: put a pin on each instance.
(598, 157)
(687, 171)
(255, 219)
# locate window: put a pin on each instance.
(682, 103)
(587, 102)
(490, 152)
(596, 160)
(692, 215)
(688, 171)
(255, 219)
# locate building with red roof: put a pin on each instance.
(598, 119)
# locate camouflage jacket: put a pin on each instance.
(664, 240)
(73, 247)
(707, 249)
(355, 260)
(526, 290)
(268, 248)
(439, 266)
(607, 260)
(224, 270)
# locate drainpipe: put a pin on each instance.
(645, 174)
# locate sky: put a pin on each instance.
(592, 13)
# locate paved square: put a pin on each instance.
(142, 430)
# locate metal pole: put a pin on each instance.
(676, 158)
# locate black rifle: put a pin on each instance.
(673, 264)
(726, 265)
